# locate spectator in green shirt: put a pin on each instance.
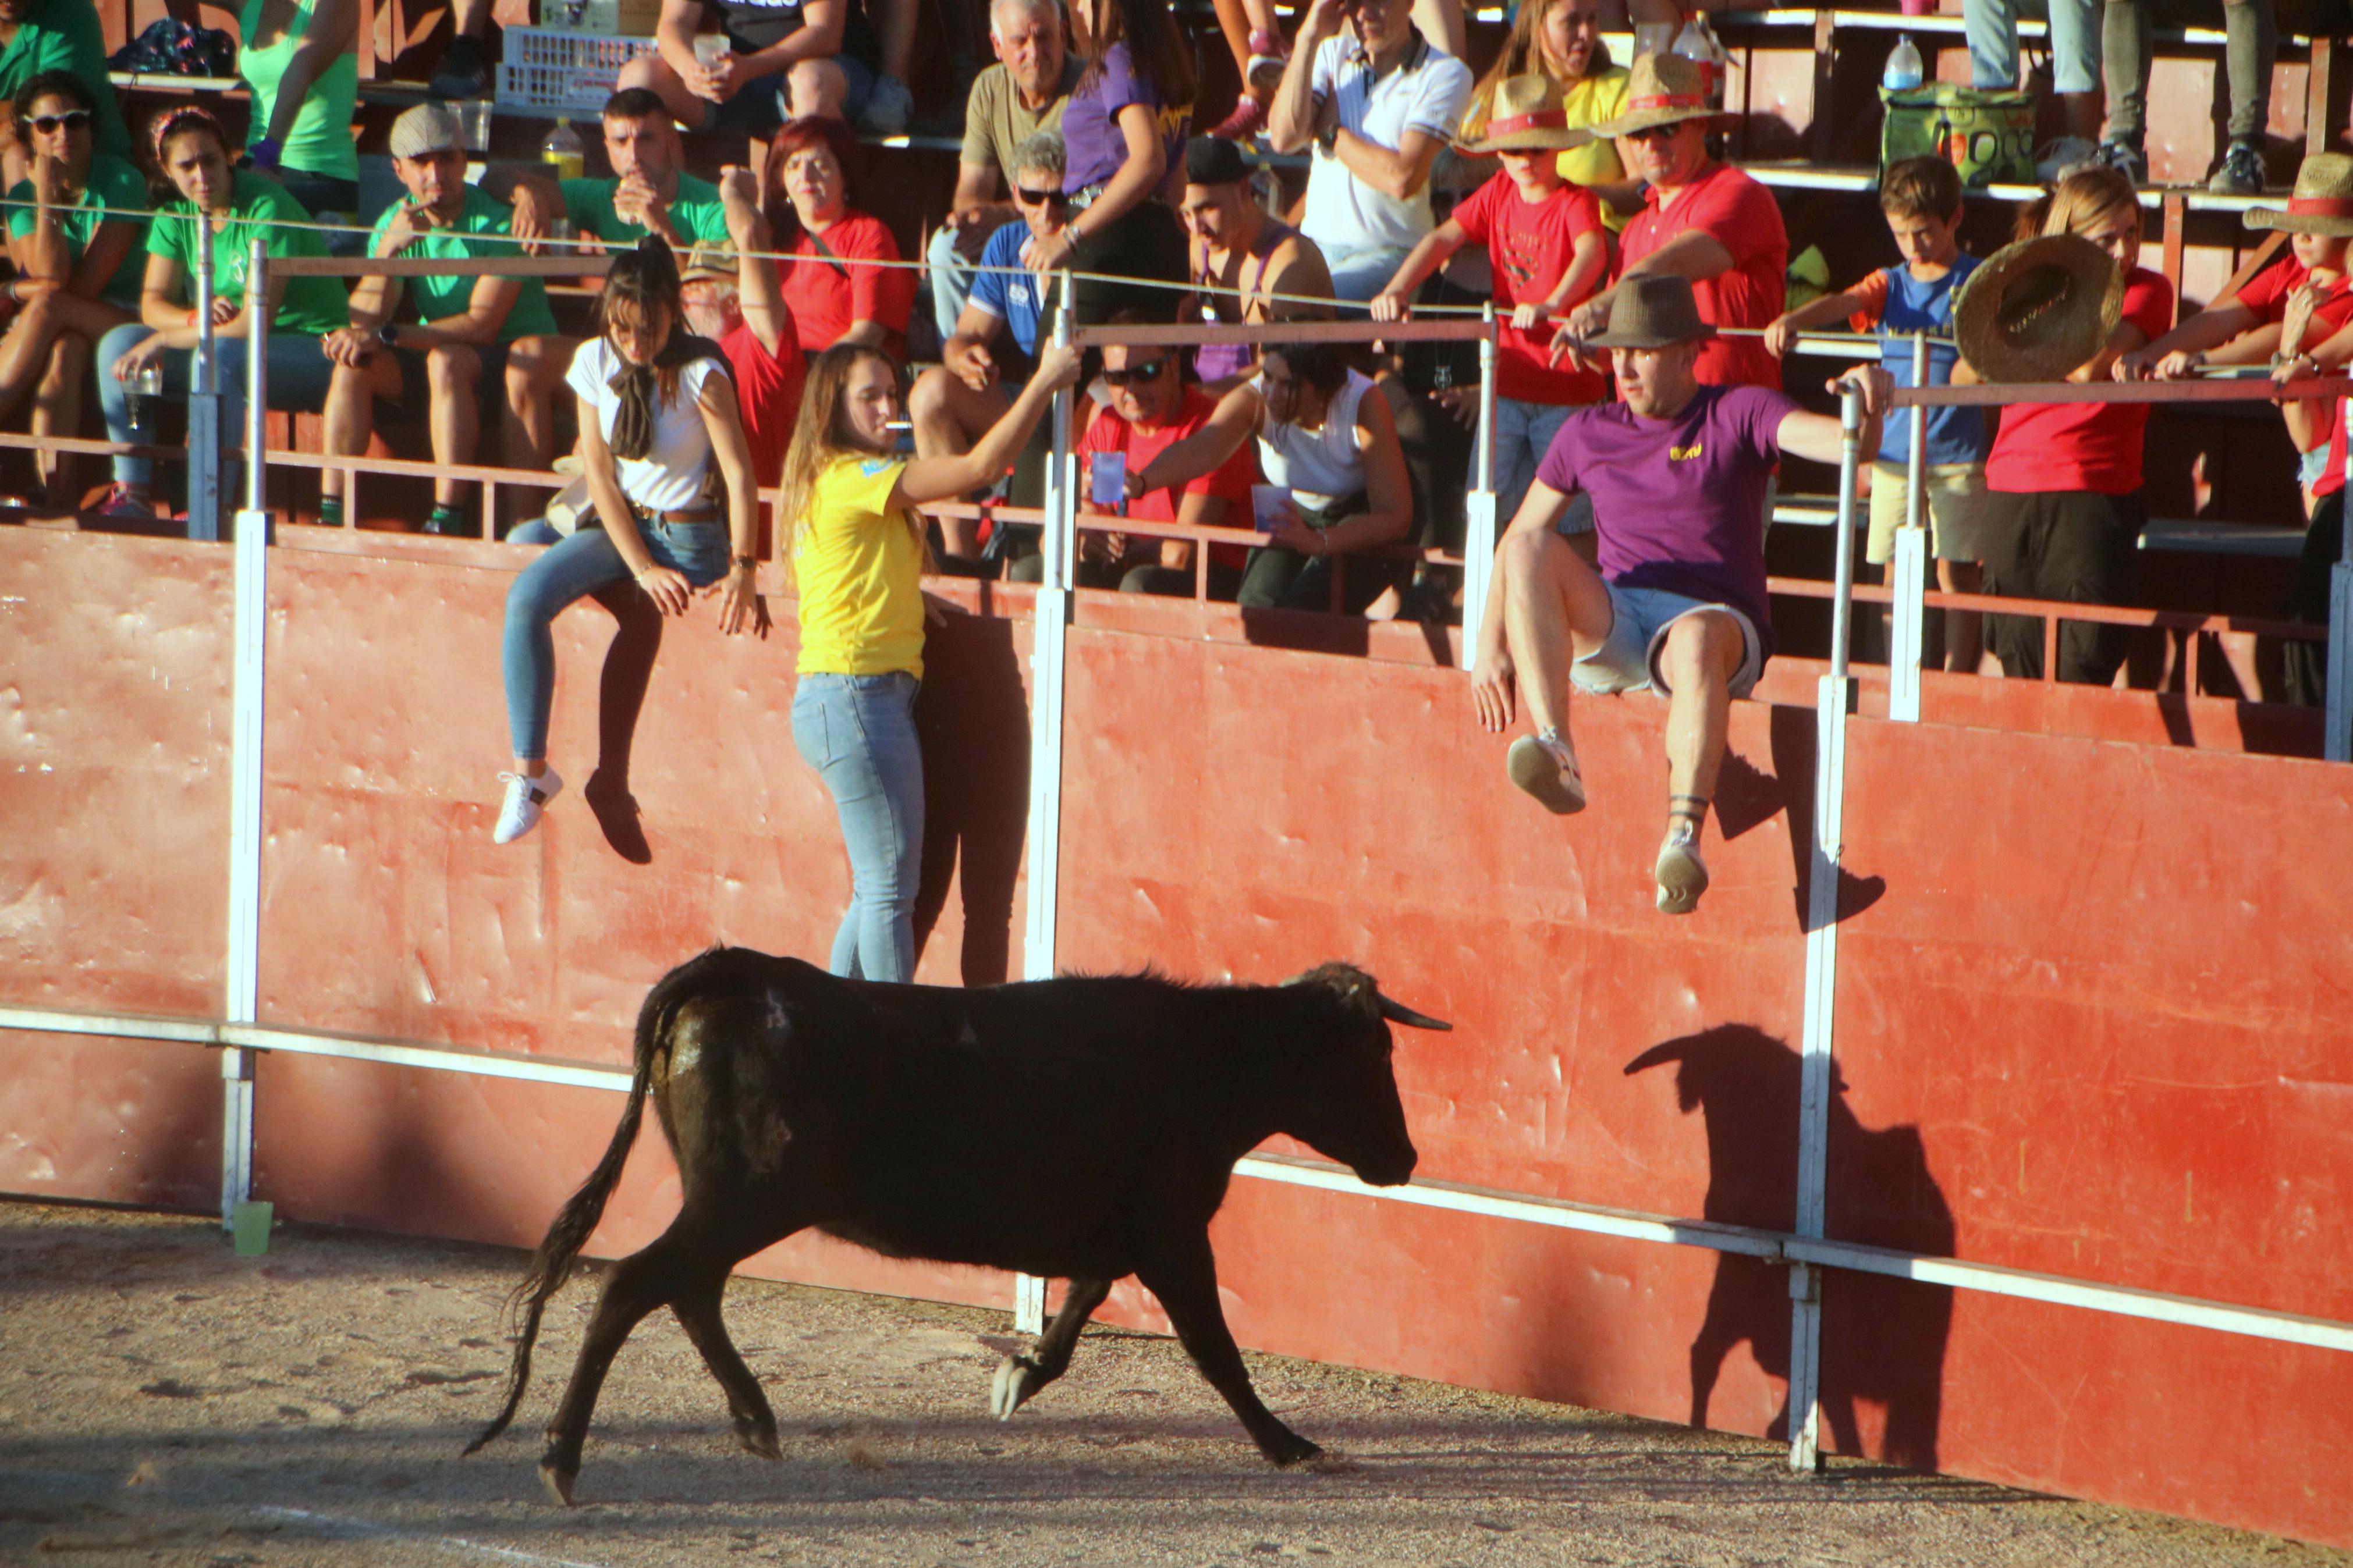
(38, 35)
(72, 247)
(228, 210)
(455, 332)
(300, 60)
(649, 193)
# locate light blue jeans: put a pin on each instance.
(951, 277)
(1639, 622)
(1524, 433)
(298, 370)
(1360, 273)
(1992, 29)
(859, 733)
(569, 571)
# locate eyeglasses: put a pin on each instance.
(48, 124)
(1142, 375)
(1030, 198)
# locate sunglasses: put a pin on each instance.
(1654, 132)
(1030, 198)
(1142, 375)
(73, 119)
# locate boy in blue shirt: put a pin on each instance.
(1921, 199)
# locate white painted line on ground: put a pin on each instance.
(349, 1526)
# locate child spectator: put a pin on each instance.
(837, 291)
(1921, 200)
(1549, 251)
(2062, 515)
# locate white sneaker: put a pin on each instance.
(2063, 156)
(520, 813)
(1546, 766)
(1682, 875)
(887, 108)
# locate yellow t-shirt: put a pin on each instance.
(859, 570)
(1594, 100)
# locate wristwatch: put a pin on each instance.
(752, 562)
(388, 334)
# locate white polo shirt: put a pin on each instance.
(1426, 92)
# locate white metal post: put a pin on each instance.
(256, 381)
(2336, 729)
(204, 399)
(1822, 968)
(1049, 652)
(1908, 561)
(1479, 518)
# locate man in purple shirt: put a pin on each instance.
(1677, 472)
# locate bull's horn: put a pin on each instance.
(1397, 1012)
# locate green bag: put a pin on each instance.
(1988, 136)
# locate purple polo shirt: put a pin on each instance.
(1678, 503)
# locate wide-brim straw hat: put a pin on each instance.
(1662, 89)
(2038, 310)
(704, 264)
(2321, 203)
(1528, 116)
(1653, 311)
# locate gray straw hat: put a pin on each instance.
(1651, 310)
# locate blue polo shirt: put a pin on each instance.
(1010, 297)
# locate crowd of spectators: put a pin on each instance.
(756, 328)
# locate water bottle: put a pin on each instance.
(1697, 43)
(1653, 38)
(564, 149)
(1905, 70)
(140, 392)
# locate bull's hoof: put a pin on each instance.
(1289, 1449)
(1011, 1388)
(558, 1481)
(759, 1436)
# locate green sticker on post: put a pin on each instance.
(250, 1224)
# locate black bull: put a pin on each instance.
(1079, 1129)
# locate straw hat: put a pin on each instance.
(1528, 116)
(424, 129)
(702, 263)
(2038, 310)
(2322, 201)
(1662, 90)
(1651, 310)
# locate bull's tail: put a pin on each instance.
(551, 1266)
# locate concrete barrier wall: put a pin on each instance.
(2090, 1009)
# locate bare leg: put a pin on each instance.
(948, 416)
(451, 370)
(471, 18)
(535, 368)
(349, 415)
(56, 410)
(652, 71)
(818, 87)
(1234, 22)
(24, 353)
(1702, 654)
(894, 31)
(1556, 610)
(1020, 1377)
(1185, 1282)
(1964, 629)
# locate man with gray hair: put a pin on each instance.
(994, 344)
(1011, 101)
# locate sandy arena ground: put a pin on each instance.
(164, 1401)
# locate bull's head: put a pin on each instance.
(1345, 1102)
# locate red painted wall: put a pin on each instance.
(2090, 1004)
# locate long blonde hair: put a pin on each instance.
(1524, 55)
(821, 438)
(2078, 203)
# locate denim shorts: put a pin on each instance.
(1628, 659)
(2310, 466)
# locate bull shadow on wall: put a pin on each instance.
(1883, 1340)
(973, 718)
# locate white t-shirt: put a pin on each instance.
(1427, 91)
(671, 480)
(1320, 466)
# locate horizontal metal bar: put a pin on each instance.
(586, 265)
(1468, 330)
(2221, 390)
(1488, 1203)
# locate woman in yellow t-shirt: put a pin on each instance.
(856, 547)
(1562, 38)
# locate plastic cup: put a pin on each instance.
(710, 49)
(474, 121)
(1267, 502)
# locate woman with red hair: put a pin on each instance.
(837, 291)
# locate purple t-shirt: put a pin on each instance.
(1678, 503)
(1092, 147)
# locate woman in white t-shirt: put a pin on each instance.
(660, 439)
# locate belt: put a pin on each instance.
(682, 519)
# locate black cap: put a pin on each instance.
(1214, 160)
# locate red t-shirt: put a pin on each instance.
(1743, 217)
(2267, 295)
(827, 289)
(768, 393)
(2095, 447)
(1231, 479)
(1530, 246)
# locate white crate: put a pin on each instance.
(551, 71)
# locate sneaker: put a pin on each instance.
(2126, 160)
(2061, 157)
(1269, 56)
(1242, 124)
(1546, 766)
(888, 108)
(121, 502)
(465, 71)
(520, 813)
(2241, 174)
(1682, 875)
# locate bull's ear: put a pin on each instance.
(1352, 985)
(1397, 1012)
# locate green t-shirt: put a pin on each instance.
(115, 194)
(66, 36)
(697, 215)
(257, 207)
(320, 142)
(436, 298)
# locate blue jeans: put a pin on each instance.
(1360, 273)
(1524, 433)
(571, 571)
(299, 374)
(952, 278)
(1992, 29)
(859, 733)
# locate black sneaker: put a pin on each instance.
(465, 71)
(2241, 174)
